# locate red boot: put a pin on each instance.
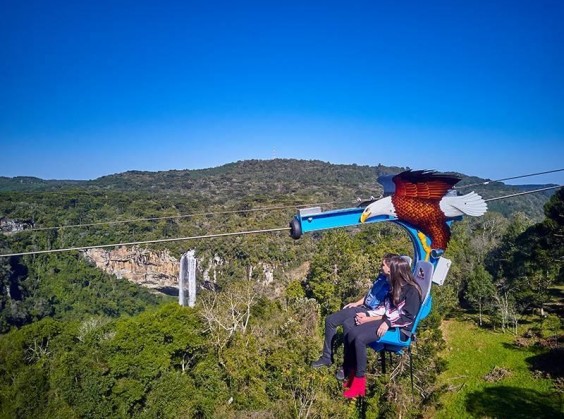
(358, 388)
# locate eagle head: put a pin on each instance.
(383, 206)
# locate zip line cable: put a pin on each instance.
(215, 235)
(178, 216)
(499, 180)
(99, 246)
(523, 193)
(508, 178)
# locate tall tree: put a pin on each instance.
(529, 260)
(480, 289)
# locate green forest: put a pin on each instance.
(76, 342)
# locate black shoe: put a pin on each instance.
(340, 374)
(321, 362)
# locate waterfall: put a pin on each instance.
(187, 279)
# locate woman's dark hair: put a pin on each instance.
(400, 275)
(388, 257)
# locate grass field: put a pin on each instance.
(488, 376)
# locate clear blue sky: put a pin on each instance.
(90, 88)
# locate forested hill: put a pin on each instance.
(281, 180)
(29, 183)
(243, 178)
(259, 177)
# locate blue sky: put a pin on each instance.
(93, 88)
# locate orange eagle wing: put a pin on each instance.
(423, 184)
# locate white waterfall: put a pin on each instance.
(187, 279)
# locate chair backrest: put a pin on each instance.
(423, 273)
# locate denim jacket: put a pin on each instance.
(377, 293)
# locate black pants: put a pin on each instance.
(356, 339)
(345, 318)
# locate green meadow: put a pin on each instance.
(490, 376)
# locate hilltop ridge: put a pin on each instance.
(279, 180)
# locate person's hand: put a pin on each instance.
(382, 329)
(360, 318)
(350, 305)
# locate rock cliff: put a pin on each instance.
(160, 270)
(8, 225)
(142, 266)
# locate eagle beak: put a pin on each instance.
(364, 216)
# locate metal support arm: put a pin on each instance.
(314, 219)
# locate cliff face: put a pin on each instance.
(8, 225)
(144, 267)
(160, 270)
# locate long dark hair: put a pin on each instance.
(388, 258)
(400, 275)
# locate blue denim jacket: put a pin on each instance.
(377, 293)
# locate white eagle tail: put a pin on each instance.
(469, 204)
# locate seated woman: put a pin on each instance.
(399, 309)
(346, 316)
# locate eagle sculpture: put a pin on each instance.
(426, 201)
